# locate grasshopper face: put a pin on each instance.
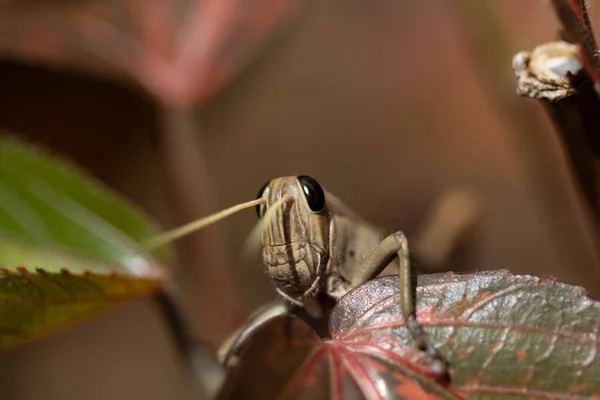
(296, 238)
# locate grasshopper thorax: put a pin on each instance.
(296, 234)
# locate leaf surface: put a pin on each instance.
(270, 360)
(505, 336)
(69, 247)
(181, 51)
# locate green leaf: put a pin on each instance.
(69, 247)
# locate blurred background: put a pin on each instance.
(388, 104)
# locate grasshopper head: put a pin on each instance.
(296, 236)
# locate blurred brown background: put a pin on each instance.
(388, 104)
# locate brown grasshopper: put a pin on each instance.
(313, 245)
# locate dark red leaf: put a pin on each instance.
(180, 51)
(270, 360)
(506, 336)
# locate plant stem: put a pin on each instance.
(552, 73)
(573, 106)
(207, 266)
(206, 373)
(537, 157)
(577, 119)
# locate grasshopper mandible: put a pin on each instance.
(313, 244)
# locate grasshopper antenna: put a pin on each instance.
(198, 224)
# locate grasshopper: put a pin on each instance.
(315, 246)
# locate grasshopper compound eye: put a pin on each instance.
(261, 193)
(315, 197)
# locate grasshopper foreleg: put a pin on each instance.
(386, 251)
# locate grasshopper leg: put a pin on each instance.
(289, 298)
(391, 247)
(308, 292)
